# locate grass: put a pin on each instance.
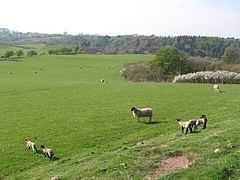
(59, 101)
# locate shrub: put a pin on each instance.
(225, 77)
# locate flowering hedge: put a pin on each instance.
(225, 77)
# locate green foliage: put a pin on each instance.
(231, 55)
(19, 53)
(32, 53)
(168, 60)
(131, 44)
(8, 54)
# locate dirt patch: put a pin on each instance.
(168, 166)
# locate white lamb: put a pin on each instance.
(30, 144)
(145, 112)
(216, 88)
(47, 152)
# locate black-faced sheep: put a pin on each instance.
(187, 125)
(30, 144)
(47, 152)
(202, 121)
(216, 88)
(144, 112)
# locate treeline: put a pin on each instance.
(171, 62)
(9, 54)
(131, 44)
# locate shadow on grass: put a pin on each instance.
(55, 158)
(154, 122)
(196, 131)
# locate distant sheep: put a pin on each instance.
(30, 144)
(102, 80)
(216, 88)
(47, 152)
(202, 120)
(145, 112)
(187, 125)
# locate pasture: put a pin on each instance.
(60, 102)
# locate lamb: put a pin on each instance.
(202, 120)
(145, 112)
(47, 152)
(186, 125)
(30, 144)
(216, 88)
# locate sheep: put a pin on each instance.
(216, 88)
(47, 152)
(32, 145)
(102, 80)
(186, 125)
(202, 120)
(145, 112)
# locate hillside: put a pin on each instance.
(59, 101)
(125, 44)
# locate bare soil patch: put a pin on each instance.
(169, 165)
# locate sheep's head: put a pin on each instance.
(203, 116)
(133, 108)
(42, 146)
(178, 120)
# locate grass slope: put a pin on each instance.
(59, 101)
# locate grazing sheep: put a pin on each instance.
(145, 112)
(186, 125)
(216, 88)
(47, 152)
(54, 178)
(30, 144)
(202, 120)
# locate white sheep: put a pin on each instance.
(145, 112)
(30, 144)
(216, 88)
(47, 152)
(202, 120)
(186, 125)
(102, 80)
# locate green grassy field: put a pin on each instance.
(59, 101)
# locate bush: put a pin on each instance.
(224, 77)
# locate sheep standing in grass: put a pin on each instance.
(202, 120)
(30, 144)
(145, 112)
(47, 152)
(186, 125)
(216, 88)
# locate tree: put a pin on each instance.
(19, 53)
(76, 49)
(8, 54)
(231, 55)
(32, 53)
(169, 60)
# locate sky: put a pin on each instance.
(123, 17)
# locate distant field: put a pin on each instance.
(59, 101)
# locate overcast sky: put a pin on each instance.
(120, 17)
